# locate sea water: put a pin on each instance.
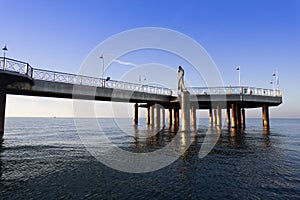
(45, 158)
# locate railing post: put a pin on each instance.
(31, 75)
(26, 69)
(4, 64)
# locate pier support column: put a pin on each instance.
(265, 117)
(176, 117)
(238, 116)
(157, 116)
(185, 111)
(243, 118)
(163, 116)
(136, 114)
(194, 118)
(151, 115)
(211, 118)
(228, 117)
(148, 115)
(233, 114)
(219, 116)
(215, 117)
(2, 111)
(170, 117)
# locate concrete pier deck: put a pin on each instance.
(19, 78)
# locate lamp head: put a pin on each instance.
(4, 48)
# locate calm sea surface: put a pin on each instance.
(44, 158)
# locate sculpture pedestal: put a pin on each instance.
(185, 111)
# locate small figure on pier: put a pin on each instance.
(181, 86)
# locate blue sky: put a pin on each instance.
(261, 36)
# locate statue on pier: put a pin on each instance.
(181, 86)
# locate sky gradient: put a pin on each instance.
(260, 36)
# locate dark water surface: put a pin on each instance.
(44, 158)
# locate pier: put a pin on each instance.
(19, 78)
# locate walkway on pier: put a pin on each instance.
(17, 77)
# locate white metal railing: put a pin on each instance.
(16, 66)
(20, 67)
(24, 68)
(244, 90)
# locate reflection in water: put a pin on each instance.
(1, 164)
(267, 141)
(153, 137)
(53, 163)
(237, 138)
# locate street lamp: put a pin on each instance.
(142, 79)
(238, 68)
(275, 74)
(102, 57)
(273, 84)
(4, 49)
(276, 82)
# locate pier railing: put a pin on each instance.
(8, 64)
(244, 90)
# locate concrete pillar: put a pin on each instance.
(136, 114)
(211, 118)
(194, 118)
(265, 117)
(238, 116)
(157, 115)
(163, 116)
(228, 117)
(219, 116)
(170, 117)
(233, 114)
(215, 117)
(243, 118)
(185, 111)
(176, 117)
(152, 115)
(2, 111)
(148, 115)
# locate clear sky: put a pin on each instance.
(261, 36)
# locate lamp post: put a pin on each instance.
(276, 82)
(275, 74)
(4, 49)
(273, 84)
(142, 79)
(102, 57)
(238, 68)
